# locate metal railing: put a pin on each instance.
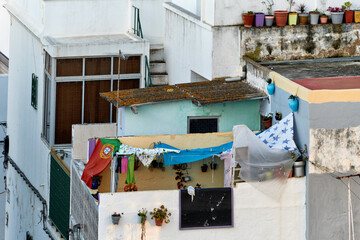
(137, 24)
(147, 78)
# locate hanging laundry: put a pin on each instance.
(146, 156)
(117, 170)
(124, 164)
(130, 170)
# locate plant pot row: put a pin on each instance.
(283, 17)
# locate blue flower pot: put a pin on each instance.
(271, 88)
(294, 104)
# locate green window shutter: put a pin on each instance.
(34, 85)
(59, 209)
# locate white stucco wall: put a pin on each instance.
(188, 46)
(3, 102)
(259, 213)
(24, 128)
(152, 17)
(193, 6)
(5, 29)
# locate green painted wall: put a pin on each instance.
(171, 117)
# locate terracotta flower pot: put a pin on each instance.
(248, 19)
(323, 19)
(267, 123)
(349, 16)
(281, 17)
(159, 222)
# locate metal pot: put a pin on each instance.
(299, 168)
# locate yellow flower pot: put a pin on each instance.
(293, 18)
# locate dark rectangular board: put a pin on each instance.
(211, 208)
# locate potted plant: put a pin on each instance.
(130, 187)
(212, 165)
(278, 116)
(269, 18)
(161, 215)
(181, 180)
(303, 16)
(357, 16)
(259, 19)
(314, 17)
(204, 167)
(300, 161)
(293, 103)
(142, 214)
(349, 14)
(248, 18)
(293, 16)
(270, 87)
(337, 14)
(267, 120)
(96, 181)
(115, 218)
(323, 18)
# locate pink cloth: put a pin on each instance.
(124, 164)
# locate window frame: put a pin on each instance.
(84, 78)
(202, 117)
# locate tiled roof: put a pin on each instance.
(201, 93)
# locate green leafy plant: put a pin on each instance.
(303, 154)
(250, 12)
(346, 6)
(268, 116)
(142, 213)
(161, 213)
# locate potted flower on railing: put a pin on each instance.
(337, 14)
(161, 215)
(314, 17)
(323, 18)
(269, 18)
(248, 18)
(142, 214)
(303, 16)
(349, 14)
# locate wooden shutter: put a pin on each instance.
(96, 108)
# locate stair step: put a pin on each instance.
(156, 54)
(157, 67)
(158, 80)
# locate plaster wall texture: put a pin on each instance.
(300, 42)
(152, 17)
(27, 148)
(91, 17)
(193, 6)
(258, 214)
(81, 133)
(188, 46)
(3, 103)
(2, 200)
(5, 30)
(172, 117)
(328, 207)
(334, 115)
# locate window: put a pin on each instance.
(34, 85)
(77, 90)
(202, 124)
(47, 98)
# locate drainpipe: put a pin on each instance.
(244, 69)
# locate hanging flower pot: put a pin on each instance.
(213, 166)
(278, 116)
(270, 87)
(293, 103)
(204, 167)
(159, 222)
(115, 218)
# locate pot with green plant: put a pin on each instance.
(248, 18)
(303, 15)
(115, 218)
(314, 17)
(267, 120)
(299, 161)
(337, 15)
(269, 18)
(323, 18)
(143, 216)
(160, 215)
(204, 167)
(349, 14)
(278, 116)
